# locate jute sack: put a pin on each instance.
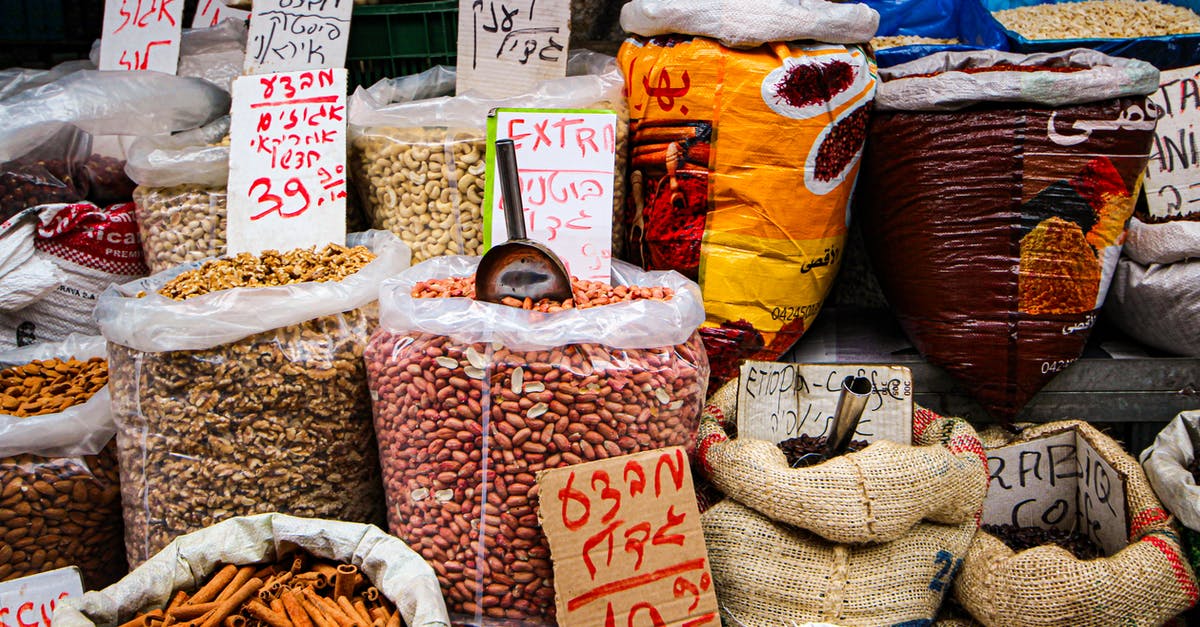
(1146, 583)
(771, 572)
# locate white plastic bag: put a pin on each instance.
(399, 573)
(214, 54)
(1166, 461)
(1155, 293)
(750, 23)
(24, 277)
(188, 158)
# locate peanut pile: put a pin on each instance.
(1099, 19)
(587, 294)
(50, 386)
(271, 268)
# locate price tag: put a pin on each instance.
(141, 35)
(30, 601)
(1058, 482)
(625, 537)
(288, 35)
(778, 401)
(1173, 172)
(287, 161)
(209, 13)
(504, 46)
(566, 160)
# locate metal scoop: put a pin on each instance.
(519, 268)
(851, 403)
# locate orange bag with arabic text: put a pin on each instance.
(742, 167)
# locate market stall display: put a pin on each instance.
(796, 545)
(743, 160)
(238, 387)
(911, 29)
(472, 399)
(1039, 159)
(219, 574)
(59, 497)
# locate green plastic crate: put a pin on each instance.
(390, 40)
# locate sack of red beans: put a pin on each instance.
(473, 399)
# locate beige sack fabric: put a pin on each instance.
(1146, 583)
(773, 562)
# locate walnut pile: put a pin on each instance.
(271, 268)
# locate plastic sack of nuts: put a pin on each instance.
(1043, 157)
(246, 399)
(60, 503)
(864, 539)
(745, 167)
(1145, 583)
(472, 399)
(191, 567)
(417, 153)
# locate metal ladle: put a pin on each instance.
(852, 401)
(519, 268)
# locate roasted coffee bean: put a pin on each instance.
(805, 450)
(1021, 538)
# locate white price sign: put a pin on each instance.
(141, 35)
(210, 13)
(287, 35)
(30, 601)
(1173, 172)
(504, 46)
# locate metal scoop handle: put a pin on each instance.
(510, 187)
(851, 403)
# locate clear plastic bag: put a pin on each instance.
(60, 501)
(244, 401)
(212, 54)
(472, 399)
(46, 173)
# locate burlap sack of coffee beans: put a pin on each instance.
(1146, 583)
(245, 400)
(869, 538)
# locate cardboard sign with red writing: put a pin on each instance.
(30, 601)
(209, 13)
(566, 159)
(289, 35)
(504, 46)
(625, 536)
(287, 161)
(141, 35)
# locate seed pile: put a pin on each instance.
(1021, 538)
(1099, 19)
(271, 268)
(895, 41)
(50, 386)
(587, 294)
(798, 447)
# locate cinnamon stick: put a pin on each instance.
(214, 586)
(295, 612)
(192, 612)
(244, 574)
(233, 603)
(268, 616)
(348, 609)
(344, 580)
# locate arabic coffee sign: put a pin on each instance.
(1173, 172)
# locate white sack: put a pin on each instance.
(1165, 463)
(750, 23)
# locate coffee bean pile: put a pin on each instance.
(796, 448)
(1021, 538)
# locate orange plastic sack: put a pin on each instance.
(742, 167)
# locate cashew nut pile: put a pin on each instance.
(180, 224)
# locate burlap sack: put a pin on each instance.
(1146, 583)
(942, 479)
(770, 573)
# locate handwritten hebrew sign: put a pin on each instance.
(30, 601)
(504, 46)
(1173, 172)
(566, 160)
(778, 401)
(209, 13)
(1061, 482)
(287, 161)
(141, 35)
(288, 35)
(625, 537)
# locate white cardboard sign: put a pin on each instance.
(288, 35)
(210, 13)
(1173, 172)
(287, 161)
(566, 160)
(1058, 482)
(778, 401)
(504, 46)
(141, 35)
(30, 601)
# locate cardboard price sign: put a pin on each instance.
(778, 401)
(30, 601)
(287, 161)
(1173, 172)
(209, 13)
(1060, 482)
(288, 35)
(141, 35)
(566, 159)
(625, 537)
(506, 45)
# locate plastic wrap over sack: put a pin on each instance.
(995, 230)
(1166, 463)
(964, 20)
(399, 573)
(192, 157)
(742, 167)
(214, 54)
(635, 324)
(750, 23)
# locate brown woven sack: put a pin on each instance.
(875, 495)
(1146, 583)
(772, 562)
